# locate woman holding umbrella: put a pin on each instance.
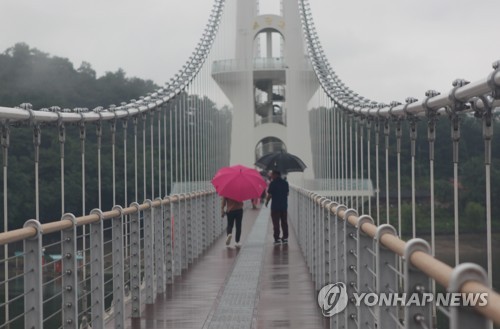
(234, 211)
(236, 184)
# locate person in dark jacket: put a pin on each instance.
(278, 192)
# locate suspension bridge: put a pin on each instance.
(146, 249)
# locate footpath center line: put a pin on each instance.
(236, 306)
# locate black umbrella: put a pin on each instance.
(281, 161)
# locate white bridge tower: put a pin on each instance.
(269, 83)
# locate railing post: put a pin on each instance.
(350, 270)
(365, 269)
(333, 260)
(300, 221)
(304, 215)
(169, 260)
(465, 316)
(386, 278)
(310, 233)
(69, 270)
(97, 271)
(417, 316)
(195, 225)
(322, 244)
(183, 236)
(314, 240)
(135, 261)
(177, 236)
(341, 260)
(205, 223)
(190, 218)
(118, 269)
(158, 248)
(327, 244)
(199, 225)
(33, 288)
(148, 252)
(214, 217)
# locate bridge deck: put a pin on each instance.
(258, 286)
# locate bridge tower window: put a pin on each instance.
(269, 145)
(269, 78)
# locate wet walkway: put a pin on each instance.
(257, 286)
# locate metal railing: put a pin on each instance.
(261, 63)
(341, 246)
(277, 118)
(121, 272)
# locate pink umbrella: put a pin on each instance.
(239, 183)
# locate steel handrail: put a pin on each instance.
(428, 264)
(60, 225)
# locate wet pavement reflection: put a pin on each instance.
(189, 302)
(286, 298)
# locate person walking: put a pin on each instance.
(234, 211)
(278, 192)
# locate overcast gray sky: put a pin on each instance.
(384, 49)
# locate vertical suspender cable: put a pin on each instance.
(346, 158)
(343, 124)
(152, 151)
(206, 111)
(125, 180)
(386, 134)
(377, 175)
(431, 136)
(171, 109)
(165, 109)
(184, 140)
(125, 175)
(319, 126)
(351, 175)
(182, 118)
(99, 140)
(317, 140)
(84, 227)
(5, 149)
(399, 134)
(488, 136)
(189, 133)
(356, 178)
(112, 126)
(36, 141)
(368, 157)
(413, 138)
(177, 142)
(199, 130)
(144, 174)
(324, 161)
(136, 180)
(330, 144)
(361, 143)
(62, 140)
(341, 141)
(337, 150)
(455, 136)
(159, 152)
(194, 135)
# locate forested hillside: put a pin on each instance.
(28, 75)
(32, 76)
